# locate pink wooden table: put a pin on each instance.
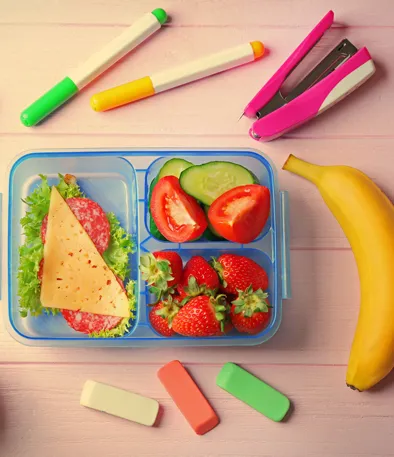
(40, 414)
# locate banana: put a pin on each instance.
(366, 216)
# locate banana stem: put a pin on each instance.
(307, 170)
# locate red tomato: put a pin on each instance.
(239, 215)
(177, 215)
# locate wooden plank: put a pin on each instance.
(317, 325)
(311, 223)
(41, 415)
(194, 12)
(218, 100)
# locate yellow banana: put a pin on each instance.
(366, 216)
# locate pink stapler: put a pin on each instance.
(343, 70)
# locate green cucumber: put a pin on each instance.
(211, 234)
(174, 167)
(152, 225)
(209, 181)
(208, 235)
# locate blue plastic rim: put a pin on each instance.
(119, 181)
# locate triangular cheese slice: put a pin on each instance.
(75, 276)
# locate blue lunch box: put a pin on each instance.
(118, 180)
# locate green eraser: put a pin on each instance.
(252, 391)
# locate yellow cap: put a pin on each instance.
(258, 48)
(121, 95)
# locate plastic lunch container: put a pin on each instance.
(119, 181)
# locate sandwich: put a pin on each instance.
(74, 261)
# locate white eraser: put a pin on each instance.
(118, 402)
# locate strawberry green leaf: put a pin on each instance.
(219, 316)
(221, 308)
(249, 302)
(156, 273)
(219, 270)
(169, 310)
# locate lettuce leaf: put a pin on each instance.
(125, 324)
(29, 286)
(120, 246)
(32, 251)
(38, 205)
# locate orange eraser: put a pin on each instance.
(188, 397)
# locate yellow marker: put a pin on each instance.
(177, 76)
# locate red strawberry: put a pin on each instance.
(161, 316)
(201, 316)
(176, 265)
(162, 271)
(250, 312)
(238, 273)
(198, 276)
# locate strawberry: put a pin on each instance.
(198, 277)
(201, 316)
(162, 314)
(162, 271)
(237, 272)
(250, 312)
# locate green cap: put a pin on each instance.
(252, 391)
(50, 101)
(160, 15)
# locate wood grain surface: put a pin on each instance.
(40, 41)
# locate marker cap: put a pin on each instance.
(121, 95)
(258, 49)
(49, 102)
(160, 15)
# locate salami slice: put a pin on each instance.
(40, 270)
(89, 322)
(92, 218)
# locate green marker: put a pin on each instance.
(93, 67)
(252, 391)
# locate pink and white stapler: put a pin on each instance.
(342, 71)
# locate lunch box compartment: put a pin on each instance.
(261, 258)
(119, 181)
(262, 172)
(107, 180)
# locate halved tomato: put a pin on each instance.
(177, 215)
(240, 214)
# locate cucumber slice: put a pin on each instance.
(213, 233)
(209, 181)
(174, 167)
(152, 225)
